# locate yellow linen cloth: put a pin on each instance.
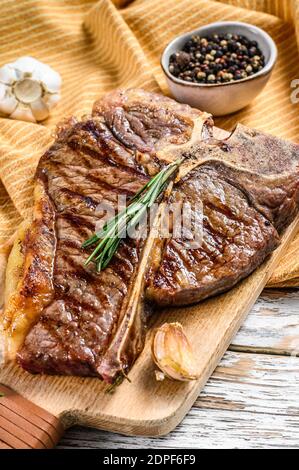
(100, 45)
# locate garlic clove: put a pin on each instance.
(51, 79)
(51, 99)
(3, 89)
(26, 65)
(8, 103)
(40, 109)
(7, 75)
(23, 113)
(173, 354)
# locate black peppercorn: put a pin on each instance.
(217, 59)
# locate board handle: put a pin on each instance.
(24, 425)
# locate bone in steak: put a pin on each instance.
(65, 318)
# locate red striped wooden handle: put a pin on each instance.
(24, 425)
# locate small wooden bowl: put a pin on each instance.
(224, 98)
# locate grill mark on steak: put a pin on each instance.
(95, 347)
(87, 200)
(103, 185)
(95, 154)
(225, 210)
(72, 302)
(77, 269)
(62, 201)
(77, 222)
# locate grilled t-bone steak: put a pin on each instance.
(63, 317)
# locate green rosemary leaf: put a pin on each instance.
(112, 387)
(109, 238)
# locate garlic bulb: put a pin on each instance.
(173, 354)
(29, 89)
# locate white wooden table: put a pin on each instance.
(252, 399)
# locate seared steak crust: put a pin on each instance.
(92, 324)
(75, 328)
(235, 239)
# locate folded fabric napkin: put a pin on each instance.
(100, 45)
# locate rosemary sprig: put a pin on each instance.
(109, 238)
(112, 387)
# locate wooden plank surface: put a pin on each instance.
(251, 401)
(244, 404)
(273, 324)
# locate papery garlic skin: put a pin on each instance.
(160, 376)
(29, 89)
(173, 354)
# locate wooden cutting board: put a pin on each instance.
(49, 404)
